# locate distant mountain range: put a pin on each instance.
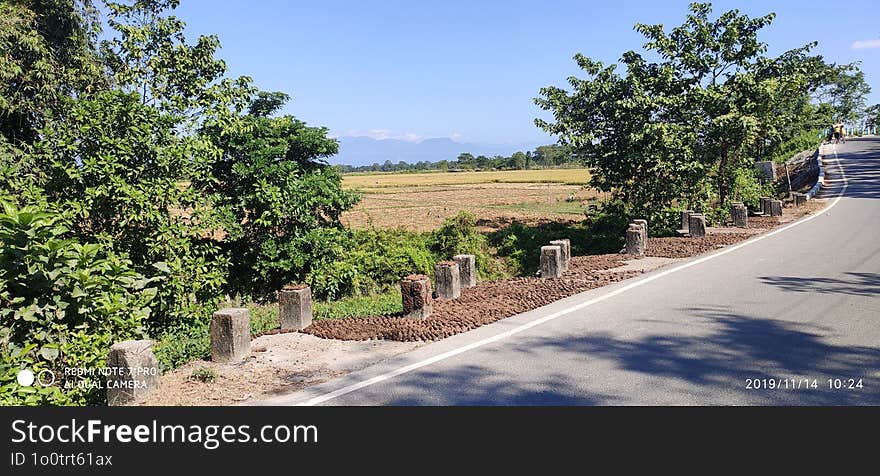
(357, 151)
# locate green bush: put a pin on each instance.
(806, 140)
(284, 201)
(369, 261)
(132, 182)
(459, 235)
(62, 303)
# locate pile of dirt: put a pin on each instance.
(681, 247)
(480, 305)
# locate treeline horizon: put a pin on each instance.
(545, 156)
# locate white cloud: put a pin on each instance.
(380, 134)
(409, 137)
(866, 44)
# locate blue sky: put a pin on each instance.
(470, 69)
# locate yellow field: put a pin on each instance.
(381, 182)
(421, 202)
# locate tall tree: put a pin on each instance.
(676, 129)
(846, 93)
(48, 53)
(285, 200)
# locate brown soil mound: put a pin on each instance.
(680, 247)
(480, 305)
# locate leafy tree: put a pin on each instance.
(518, 161)
(132, 182)
(150, 57)
(872, 115)
(466, 160)
(48, 53)
(284, 200)
(846, 94)
(677, 130)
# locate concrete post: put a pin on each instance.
(697, 225)
(800, 199)
(644, 224)
(230, 334)
(685, 219)
(467, 270)
(415, 291)
(739, 215)
(765, 206)
(565, 245)
(551, 261)
(295, 307)
(134, 371)
(635, 240)
(776, 208)
(448, 280)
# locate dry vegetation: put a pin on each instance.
(420, 202)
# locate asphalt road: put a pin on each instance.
(794, 308)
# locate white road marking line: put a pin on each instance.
(640, 282)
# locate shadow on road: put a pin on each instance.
(477, 385)
(716, 365)
(862, 169)
(858, 284)
(739, 347)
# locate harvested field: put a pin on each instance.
(425, 208)
(378, 182)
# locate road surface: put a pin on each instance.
(793, 309)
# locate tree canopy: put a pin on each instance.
(682, 128)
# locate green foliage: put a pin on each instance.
(204, 375)
(285, 203)
(748, 188)
(386, 303)
(370, 261)
(806, 140)
(846, 94)
(134, 184)
(149, 56)
(459, 235)
(181, 343)
(48, 53)
(63, 303)
(659, 133)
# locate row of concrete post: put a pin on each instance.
(230, 329)
(771, 207)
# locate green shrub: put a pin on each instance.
(806, 140)
(182, 343)
(62, 303)
(204, 375)
(131, 181)
(459, 235)
(369, 261)
(375, 305)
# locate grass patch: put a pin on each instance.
(556, 208)
(204, 375)
(384, 303)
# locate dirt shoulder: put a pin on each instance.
(287, 362)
